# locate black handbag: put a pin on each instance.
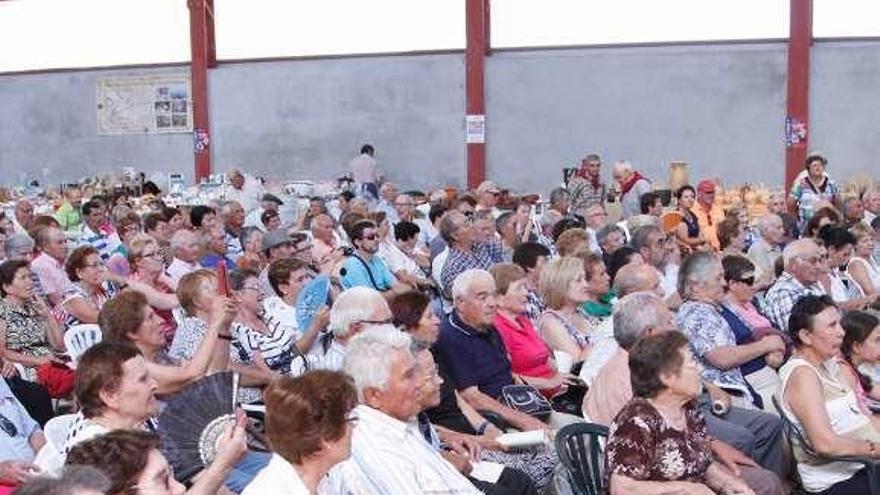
(527, 399)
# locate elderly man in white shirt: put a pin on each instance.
(389, 455)
(187, 249)
(246, 190)
(768, 248)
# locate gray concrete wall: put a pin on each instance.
(48, 130)
(845, 106)
(720, 107)
(308, 118)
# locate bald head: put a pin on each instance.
(633, 278)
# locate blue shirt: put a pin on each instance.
(473, 358)
(212, 260)
(17, 447)
(356, 274)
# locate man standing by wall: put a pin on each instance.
(586, 187)
(365, 172)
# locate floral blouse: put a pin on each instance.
(25, 333)
(642, 446)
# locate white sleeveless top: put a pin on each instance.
(846, 418)
(873, 271)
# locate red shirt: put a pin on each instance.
(528, 353)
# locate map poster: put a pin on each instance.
(144, 104)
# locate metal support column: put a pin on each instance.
(478, 46)
(204, 55)
(797, 121)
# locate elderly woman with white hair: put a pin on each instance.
(388, 455)
(355, 309)
(702, 318)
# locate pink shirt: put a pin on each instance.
(528, 353)
(51, 273)
(749, 313)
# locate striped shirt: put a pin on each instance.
(389, 456)
(103, 243)
(275, 347)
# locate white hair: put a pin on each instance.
(463, 282)
(353, 305)
(181, 238)
(368, 359)
(226, 208)
(766, 221)
(634, 314)
(386, 186)
(695, 268)
(870, 193)
(622, 165)
(796, 249)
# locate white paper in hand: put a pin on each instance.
(486, 471)
(523, 439)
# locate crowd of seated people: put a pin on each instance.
(693, 332)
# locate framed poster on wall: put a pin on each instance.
(144, 104)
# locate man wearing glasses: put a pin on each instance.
(803, 262)
(363, 268)
(652, 244)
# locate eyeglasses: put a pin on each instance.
(251, 287)
(8, 426)
(154, 254)
(371, 237)
(814, 260)
(97, 264)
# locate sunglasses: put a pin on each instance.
(747, 280)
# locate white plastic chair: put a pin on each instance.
(78, 339)
(51, 457)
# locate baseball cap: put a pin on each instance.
(275, 238)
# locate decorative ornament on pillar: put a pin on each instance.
(795, 132)
(200, 140)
